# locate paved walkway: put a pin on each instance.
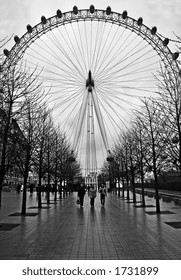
(120, 230)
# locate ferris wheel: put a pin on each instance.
(96, 65)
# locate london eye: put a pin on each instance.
(95, 66)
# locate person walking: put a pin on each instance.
(81, 193)
(103, 194)
(18, 188)
(92, 195)
(31, 189)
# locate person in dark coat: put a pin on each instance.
(31, 189)
(81, 193)
(18, 188)
(103, 194)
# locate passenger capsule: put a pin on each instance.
(6, 52)
(110, 158)
(71, 159)
(124, 14)
(59, 14)
(165, 42)
(140, 21)
(175, 140)
(43, 20)
(164, 156)
(154, 30)
(175, 55)
(29, 28)
(16, 39)
(108, 11)
(92, 9)
(75, 10)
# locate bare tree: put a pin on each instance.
(141, 152)
(17, 83)
(30, 116)
(169, 85)
(151, 125)
(40, 160)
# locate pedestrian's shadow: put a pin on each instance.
(93, 212)
(103, 211)
(80, 215)
(80, 210)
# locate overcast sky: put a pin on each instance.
(16, 14)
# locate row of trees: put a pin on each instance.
(152, 143)
(29, 139)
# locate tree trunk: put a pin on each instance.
(39, 180)
(133, 181)
(39, 190)
(119, 190)
(48, 186)
(127, 182)
(123, 189)
(23, 209)
(142, 181)
(4, 149)
(156, 181)
(55, 196)
(60, 190)
(122, 179)
(143, 191)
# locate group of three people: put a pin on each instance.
(92, 194)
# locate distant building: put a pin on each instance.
(91, 179)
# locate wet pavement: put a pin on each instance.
(63, 230)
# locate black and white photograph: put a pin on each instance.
(90, 138)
